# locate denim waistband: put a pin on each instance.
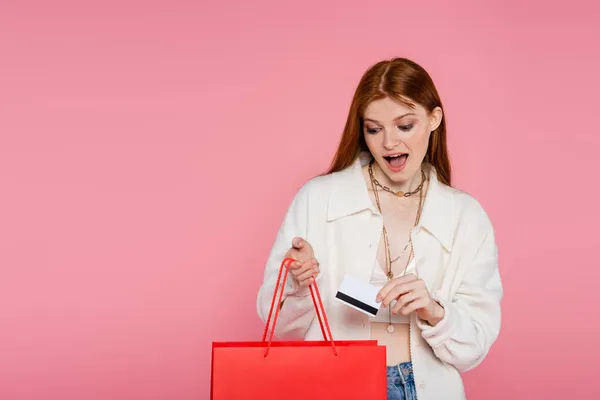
(405, 368)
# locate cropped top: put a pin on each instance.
(379, 279)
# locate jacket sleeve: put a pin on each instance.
(471, 322)
(297, 310)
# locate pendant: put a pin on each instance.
(400, 194)
(390, 275)
(390, 328)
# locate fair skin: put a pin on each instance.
(391, 130)
(306, 269)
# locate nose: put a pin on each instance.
(389, 142)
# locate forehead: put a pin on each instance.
(387, 109)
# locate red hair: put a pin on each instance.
(407, 82)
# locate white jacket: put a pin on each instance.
(455, 254)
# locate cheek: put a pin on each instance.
(371, 141)
(419, 142)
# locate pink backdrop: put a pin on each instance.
(148, 152)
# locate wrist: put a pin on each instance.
(437, 315)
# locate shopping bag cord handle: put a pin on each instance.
(317, 302)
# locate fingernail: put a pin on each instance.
(378, 299)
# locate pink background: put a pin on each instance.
(149, 150)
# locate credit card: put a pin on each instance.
(359, 295)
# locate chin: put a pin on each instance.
(398, 178)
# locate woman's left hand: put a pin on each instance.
(412, 295)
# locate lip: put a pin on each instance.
(395, 169)
(393, 154)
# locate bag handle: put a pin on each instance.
(318, 303)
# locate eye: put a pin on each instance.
(405, 128)
(372, 131)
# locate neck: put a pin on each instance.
(408, 185)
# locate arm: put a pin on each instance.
(471, 321)
(297, 310)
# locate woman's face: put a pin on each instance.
(398, 136)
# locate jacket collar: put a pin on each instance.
(350, 195)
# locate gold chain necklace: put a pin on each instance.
(388, 261)
(399, 193)
(375, 182)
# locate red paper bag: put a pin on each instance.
(285, 370)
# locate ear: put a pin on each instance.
(435, 118)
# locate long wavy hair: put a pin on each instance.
(407, 82)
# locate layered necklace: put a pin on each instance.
(388, 259)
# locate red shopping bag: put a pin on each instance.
(290, 370)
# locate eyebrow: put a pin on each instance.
(395, 119)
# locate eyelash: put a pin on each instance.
(404, 128)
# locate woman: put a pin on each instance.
(387, 214)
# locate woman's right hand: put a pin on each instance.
(305, 269)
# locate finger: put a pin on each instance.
(399, 290)
(386, 289)
(302, 267)
(292, 253)
(415, 305)
(307, 282)
(310, 273)
(383, 293)
(296, 255)
(406, 278)
(298, 243)
(404, 300)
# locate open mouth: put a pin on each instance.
(396, 160)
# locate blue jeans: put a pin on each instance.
(400, 382)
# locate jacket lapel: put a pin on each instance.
(359, 221)
(435, 229)
(360, 234)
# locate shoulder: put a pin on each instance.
(318, 186)
(348, 180)
(313, 194)
(468, 211)
(333, 190)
